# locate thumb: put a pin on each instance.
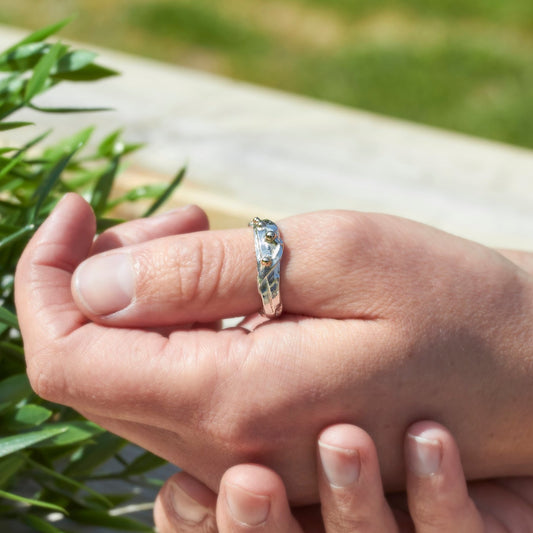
(185, 505)
(436, 488)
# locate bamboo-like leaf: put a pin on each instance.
(103, 187)
(23, 57)
(20, 154)
(73, 433)
(42, 71)
(139, 193)
(9, 348)
(31, 415)
(104, 519)
(13, 125)
(144, 463)
(49, 182)
(68, 144)
(73, 61)
(39, 524)
(9, 466)
(29, 501)
(91, 72)
(14, 388)
(15, 443)
(40, 35)
(8, 318)
(14, 237)
(102, 448)
(107, 148)
(72, 483)
(69, 109)
(105, 223)
(167, 193)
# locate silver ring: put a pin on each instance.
(268, 252)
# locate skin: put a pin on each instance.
(253, 498)
(385, 322)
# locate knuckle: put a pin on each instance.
(191, 268)
(439, 516)
(347, 514)
(341, 522)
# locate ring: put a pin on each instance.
(268, 252)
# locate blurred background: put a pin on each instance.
(463, 65)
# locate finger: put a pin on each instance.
(350, 486)
(185, 505)
(63, 351)
(505, 503)
(44, 304)
(210, 275)
(253, 498)
(181, 220)
(436, 487)
(186, 219)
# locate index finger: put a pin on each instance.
(329, 257)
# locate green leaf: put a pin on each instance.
(72, 433)
(73, 61)
(31, 415)
(20, 154)
(41, 34)
(9, 240)
(91, 72)
(105, 223)
(167, 193)
(8, 348)
(140, 193)
(23, 57)
(49, 182)
(8, 318)
(12, 125)
(108, 147)
(28, 501)
(104, 519)
(15, 443)
(144, 463)
(69, 109)
(14, 389)
(68, 144)
(103, 187)
(42, 70)
(9, 466)
(101, 449)
(39, 524)
(73, 484)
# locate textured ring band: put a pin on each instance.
(268, 252)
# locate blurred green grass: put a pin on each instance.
(462, 65)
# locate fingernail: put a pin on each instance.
(246, 507)
(423, 455)
(341, 465)
(187, 508)
(105, 284)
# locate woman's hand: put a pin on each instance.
(386, 321)
(253, 498)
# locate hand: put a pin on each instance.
(253, 498)
(386, 321)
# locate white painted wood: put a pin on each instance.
(272, 153)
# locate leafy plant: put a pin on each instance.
(49, 454)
